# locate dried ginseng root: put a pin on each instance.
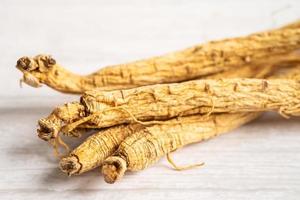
(161, 102)
(147, 145)
(71, 112)
(188, 64)
(176, 133)
(96, 148)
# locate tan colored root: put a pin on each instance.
(160, 102)
(246, 71)
(110, 108)
(70, 123)
(90, 154)
(146, 146)
(188, 64)
(51, 125)
(96, 149)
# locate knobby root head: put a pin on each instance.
(33, 68)
(113, 169)
(70, 165)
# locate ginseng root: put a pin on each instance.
(146, 146)
(96, 148)
(188, 64)
(68, 113)
(161, 102)
(93, 151)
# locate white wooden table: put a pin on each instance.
(258, 161)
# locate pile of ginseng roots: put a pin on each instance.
(144, 110)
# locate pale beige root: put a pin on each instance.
(146, 146)
(71, 164)
(99, 146)
(58, 119)
(160, 102)
(139, 101)
(50, 126)
(95, 149)
(188, 64)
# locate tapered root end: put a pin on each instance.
(113, 169)
(70, 165)
(32, 68)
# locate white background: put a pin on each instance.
(258, 161)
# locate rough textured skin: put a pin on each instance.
(159, 102)
(145, 104)
(146, 146)
(95, 149)
(188, 64)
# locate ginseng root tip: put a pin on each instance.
(70, 165)
(113, 169)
